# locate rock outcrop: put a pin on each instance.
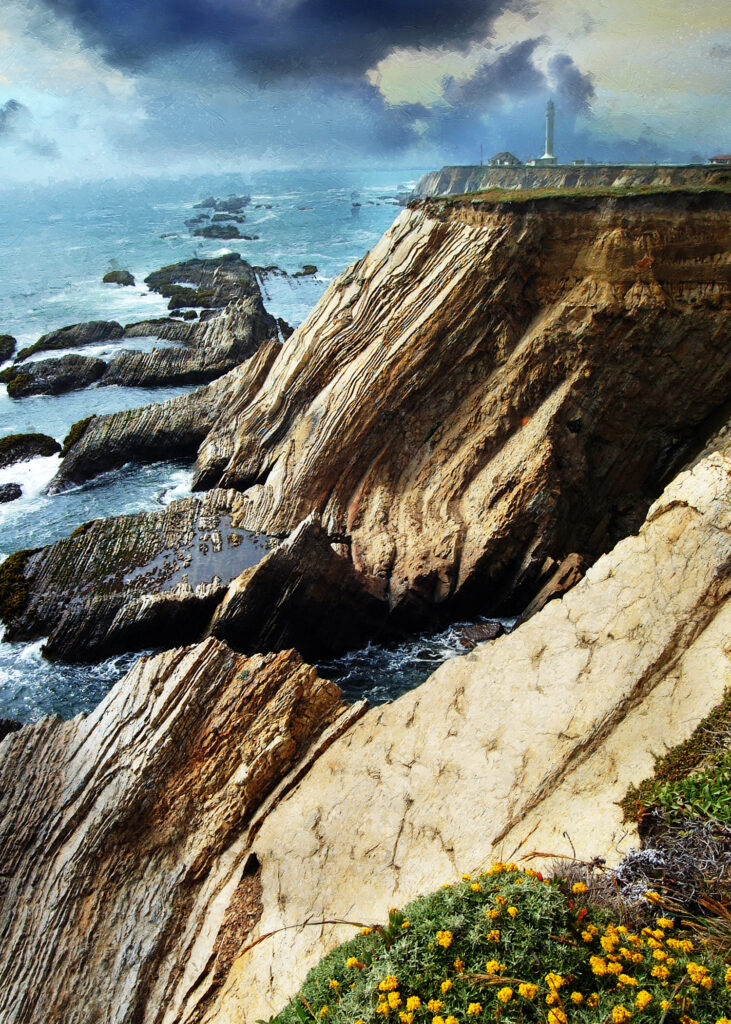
(144, 807)
(7, 346)
(460, 179)
(22, 447)
(121, 277)
(152, 843)
(54, 376)
(211, 283)
(164, 430)
(75, 336)
(489, 388)
(10, 492)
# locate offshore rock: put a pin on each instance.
(130, 827)
(22, 447)
(212, 799)
(10, 492)
(302, 595)
(75, 336)
(55, 376)
(489, 388)
(7, 346)
(121, 277)
(164, 430)
(211, 283)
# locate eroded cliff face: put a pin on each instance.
(489, 387)
(212, 798)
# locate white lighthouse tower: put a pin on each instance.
(548, 159)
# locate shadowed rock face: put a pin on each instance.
(75, 336)
(55, 376)
(211, 799)
(491, 387)
(144, 808)
(21, 447)
(211, 283)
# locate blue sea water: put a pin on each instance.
(56, 243)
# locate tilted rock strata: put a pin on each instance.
(534, 735)
(163, 430)
(194, 811)
(75, 336)
(206, 351)
(129, 828)
(489, 388)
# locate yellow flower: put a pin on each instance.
(458, 966)
(492, 914)
(723, 1020)
(406, 924)
(578, 888)
(352, 961)
(527, 991)
(576, 997)
(501, 901)
(587, 936)
(728, 976)
(620, 1013)
(474, 1008)
(476, 887)
(324, 1011)
(406, 1017)
(435, 1005)
(661, 972)
(446, 985)
(614, 968)
(333, 983)
(513, 911)
(389, 983)
(643, 999)
(663, 922)
(394, 1000)
(706, 983)
(505, 994)
(413, 1003)
(451, 1020)
(696, 972)
(659, 954)
(437, 1020)
(366, 931)
(552, 998)
(665, 1004)
(466, 877)
(652, 897)
(444, 939)
(598, 965)
(554, 981)
(625, 979)
(557, 1016)
(382, 1008)
(494, 935)
(593, 999)
(494, 967)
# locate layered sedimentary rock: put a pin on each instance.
(54, 376)
(489, 388)
(134, 830)
(151, 843)
(211, 283)
(131, 582)
(163, 430)
(461, 179)
(75, 336)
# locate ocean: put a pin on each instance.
(56, 243)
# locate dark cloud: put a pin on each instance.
(574, 89)
(16, 130)
(512, 74)
(274, 39)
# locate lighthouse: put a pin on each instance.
(548, 159)
(550, 117)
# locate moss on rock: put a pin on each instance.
(74, 434)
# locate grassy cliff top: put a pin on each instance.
(496, 196)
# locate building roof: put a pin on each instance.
(721, 156)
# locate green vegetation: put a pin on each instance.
(693, 778)
(18, 386)
(13, 585)
(510, 946)
(19, 447)
(7, 346)
(74, 434)
(525, 195)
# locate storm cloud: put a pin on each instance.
(272, 39)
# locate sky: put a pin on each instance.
(112, 88)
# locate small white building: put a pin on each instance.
(724, 158)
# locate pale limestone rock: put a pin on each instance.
(505, 749)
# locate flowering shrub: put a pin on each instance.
(548, 956)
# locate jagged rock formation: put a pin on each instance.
(7, 346)
(207, 351)
(120, 277)
(146, 850)
(10, 492)
(164, 430)
(458, 180)
(490, 388)
(152, 842)
(211, 283)
(75, 336)
(130, 582)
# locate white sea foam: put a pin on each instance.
(33, 476)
